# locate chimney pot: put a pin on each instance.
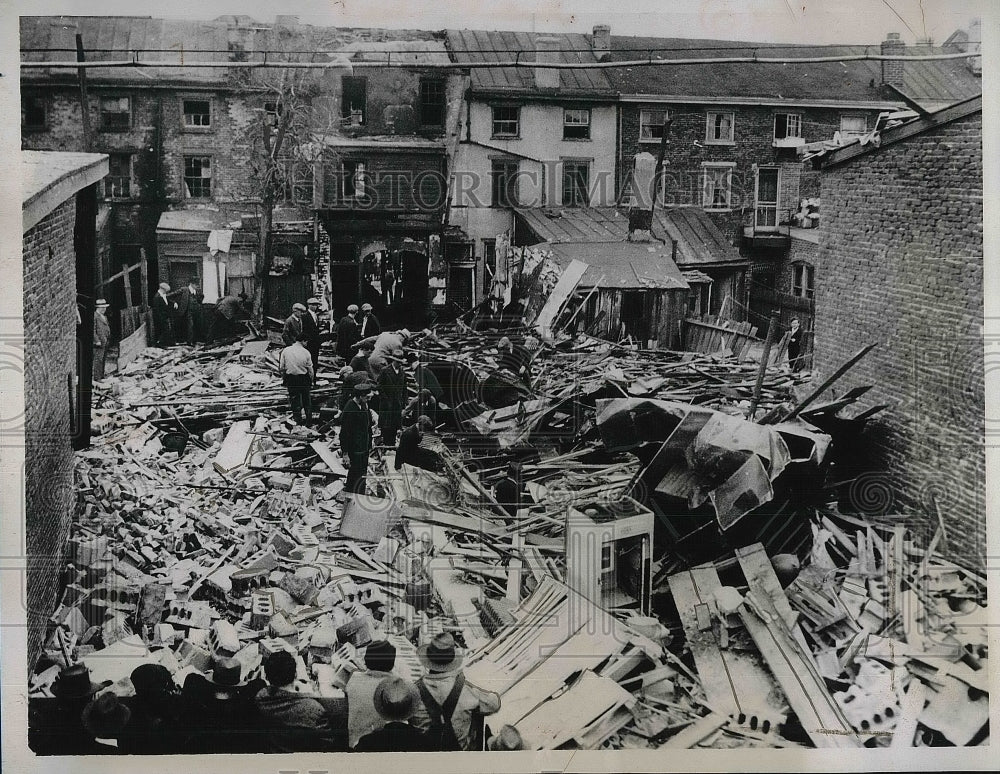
(547, 51)
(601, 41)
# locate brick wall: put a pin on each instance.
(753, 137)
(902, 266)
(50, 341)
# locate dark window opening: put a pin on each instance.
(576, 184)
(116, 113)
(576, 124)
(197, 113)
(432, 102)
(118, 182)
(803, 280)
(33, 112)
(354, 98)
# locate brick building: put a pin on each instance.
(59, 258)
(737, 135)
(901, 249)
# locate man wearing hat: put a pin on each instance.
(293, 324)
(362, 718)
(369, 322)
(360, 361)
(451, 710)
(391, 398)
(186, 302)
(55, 726)
(104, 718)
(394, 700)
(296, 368)
(347, 332)
(102, 337)
(356, 437)
(795, 346)
(155, 723)
(161, 317)
(296, 723)
(310, 324)
(218, 705)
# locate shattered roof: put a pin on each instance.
(488, 46)
(630, 265)
(699, 240)
(925, 81)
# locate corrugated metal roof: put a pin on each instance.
(627, 265)
(939, 80)
(699, 240)
(487, 46)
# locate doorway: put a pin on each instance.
(766, 210)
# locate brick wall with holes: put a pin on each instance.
(49, 361)
(901, 250)
(752, 143)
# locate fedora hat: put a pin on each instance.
(380, 655)
(507, 739)
(74, 682)
(102, 302)
(313, 301)
(395, 698)
(440, 654)
(298, 307)
(364, 387)
(151, 679)
(105, 716)
(366, 307)
(225, 677)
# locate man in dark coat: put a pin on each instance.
(156, 713)
(310, 325)
(221, 708)
(370, 325)
(230, 310)
(795, 346)
(55, 726)
(295, 723)
(347, 332)
(391, 398)
(410, 452)
(184, 313)
(395, 699)
(356, 437)
(161, 317)
(293, 325)
(102, 338)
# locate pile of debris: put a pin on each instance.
(209, 524)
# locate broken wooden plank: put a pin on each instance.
(235, 451)
(696, 732)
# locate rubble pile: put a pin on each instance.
(210, 524)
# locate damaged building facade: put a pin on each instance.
(622, 511)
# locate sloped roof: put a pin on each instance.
(48, 178)
(857, 81)
(489, 46)
(626, 265)
(699, 240)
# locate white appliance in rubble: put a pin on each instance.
(609, 547)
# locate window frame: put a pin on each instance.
(210, 126)
(572, 125)
(347, 109)
(130, 177)
(44, 104)
(357, 191)
(803, 280)
(710, 128)
(643, 124)
(185, 176)
(788, 115)
(565, 164)
(516, 134)
(510, 197)
(854, 133)
(442, 106)
(102, 113)
(717, 166)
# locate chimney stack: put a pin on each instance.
(892, 71)
(547, 50)
(601, 41)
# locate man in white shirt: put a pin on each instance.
(296, 368)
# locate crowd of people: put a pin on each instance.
(225, 711)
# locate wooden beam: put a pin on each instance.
(826, 385)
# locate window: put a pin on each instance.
(853, 126)
(197, 113)
(718, 187)
(118, 182)
(576, 124)
(504, 183)
(787, 125)
(353, 179)
(802, 280)
(506, 121)
(651, 123)
(198, 177)
(354, 98)
(576, 183)
(432, 102)
(719, 128)
(33, 112)
(116, 114)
